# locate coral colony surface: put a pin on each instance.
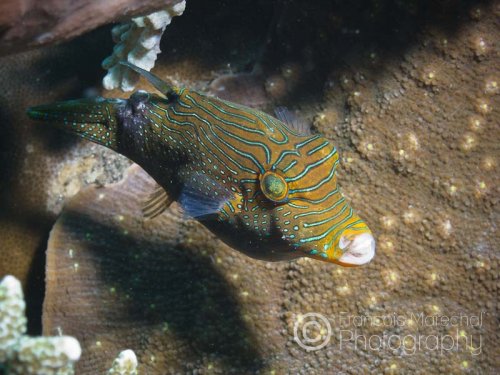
(407, 92)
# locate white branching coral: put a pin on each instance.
(137, 42)
(21, 354)
(12, 318)
(124, 364)
(46, 355)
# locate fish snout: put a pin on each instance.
(358, 250)
(94, 118)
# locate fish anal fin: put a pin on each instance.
(156, 203)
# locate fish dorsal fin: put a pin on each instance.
(157, 202)
(202, 195)
(293, 122)
(158, 83)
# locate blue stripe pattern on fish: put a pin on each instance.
(266, 186)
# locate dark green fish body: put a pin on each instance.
(264, 186)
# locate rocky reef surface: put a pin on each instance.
(408, 92)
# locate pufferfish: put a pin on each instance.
(264, 185)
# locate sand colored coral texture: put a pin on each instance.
(415, 117)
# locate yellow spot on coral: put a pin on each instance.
(483, 106)
(388, 222)
(491, 87)
(476, 123)
(408, 341)
(480, 189)
(391, 277)
(480, 46)
(386, 243)
(344, 289)
(412, 141)
(300, 318)
(245, 293)
(465, 364)
(488, 163)
(76, 266)
(411, 216)
(445, 228)
(468, 142)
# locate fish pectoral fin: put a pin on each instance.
(202, 195)
(156, 203)
(293, 122)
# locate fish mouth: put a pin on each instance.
(358, 250)
(92, 118)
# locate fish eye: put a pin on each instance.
(274, 186)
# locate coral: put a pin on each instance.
(244, 88)
(276, 86)
(25, 355)
(185, 291)
(45, 355)
(33, 158)
(419, 160)
(29, 24)
(12, 318)
(187, 304)
(137, 42)
(124, 364)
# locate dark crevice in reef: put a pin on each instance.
(35, 288)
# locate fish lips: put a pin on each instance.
(358, 250)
